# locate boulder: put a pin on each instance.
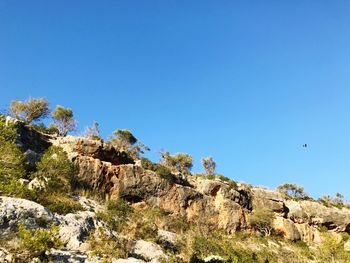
(333, 218)
(75, 228)
(148, 251)
(286, 227)
(15, 210)
(270, 199)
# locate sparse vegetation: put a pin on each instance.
(160, 169)
(108, 247)
(93, 131)
(180, 162)
(337, 201)
(125, 141)
(332, 249)
(293, 191)
(36, 241)
(209, 165)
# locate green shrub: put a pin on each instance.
(293, 191)
(160, 169)
(12, 162)
(331, 250)
(108, 247)
(116, 214)
(56, 170)
(180, 162)
(59, 203)
(37, 241)
(261, 220)
(9, 132)
(51, 129)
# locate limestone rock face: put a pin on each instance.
(331, 217)
(15, 210)
(74, 228)
(30, 139)
(103, 168)
(269, 199)
(97, 149)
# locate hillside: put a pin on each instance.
(80, 199)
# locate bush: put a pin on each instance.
(116, 214)
(59, 203)
(37, 241)
(293, 191)
(261, 220)
(33, 109)
(108, 247)
(180, 162)
(55, 170)
(52, 129)
(8, 133)
(160, 169)
(12, 162)
(337, 201)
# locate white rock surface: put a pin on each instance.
(75, 228)
(148, 251)
(16, 210)
(167, 235)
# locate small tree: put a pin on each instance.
(33, 109)
(261, 220)
(339, 199)
(209, 165)
(293, 190)
(64, 120)
(125, 141)
(181, 162)
(93, 131)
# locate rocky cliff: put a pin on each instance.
(103, 168)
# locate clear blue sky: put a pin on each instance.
(247, 82)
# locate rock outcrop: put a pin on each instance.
(300, 220)
(113, 173)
